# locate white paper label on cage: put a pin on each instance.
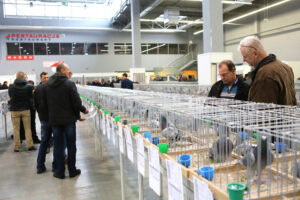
(154, 170)
(113, 131)
(121, 142)
(103, 124)
(129, 144)
(175, 186)
(201, 190)
(140, 155)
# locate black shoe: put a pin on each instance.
(16, 151)
(58, 176)
(37, 141)
(39, 171)
(76, 173)
(32, 148)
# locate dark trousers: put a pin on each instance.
(65, 133)
(46, 132)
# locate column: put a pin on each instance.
(212, 26)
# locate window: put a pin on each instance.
(26, 48)
(13, 48)
(53, 48)
(102, 48)
(163, 48)
(40, 49)
(173, 48)
(144, 48)
(77, 48)
(66, 49)
(128, 48)
(152, 48)
(183, 48)
(90, 49)
(119, 48)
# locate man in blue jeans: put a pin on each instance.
(46, 130)
(63, 106)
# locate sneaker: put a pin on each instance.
(32, 148)
(76, 173)
(58, 176)
(39, 171)
(16, 150)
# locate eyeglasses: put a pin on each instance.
(223, 75)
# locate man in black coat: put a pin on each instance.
(20, 93)
(230, 86)
(126, 83)
(4, 86)
(63, 107)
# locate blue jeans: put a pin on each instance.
(46, 132)
(64, 133)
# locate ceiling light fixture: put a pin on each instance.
(230, 2)
(157, 30)
(249, 14)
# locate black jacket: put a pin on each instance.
(39, 104)
(241, 94)
(127, 84)
(3, 87)
(20, 93)
(62, 100)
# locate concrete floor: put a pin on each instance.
(98, 179)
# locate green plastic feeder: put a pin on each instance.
(99, 107)
(106, 112)
(135, 129)
(163, 147)
(94, 103)
(208, 122)
(117, 118)
(236, 191)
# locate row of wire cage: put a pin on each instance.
(255, 144)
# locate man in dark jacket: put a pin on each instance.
(230, 86)
(46, 129)
(272, 80)
(63, 107)
(4, 86)
(126, 83)
(20, 93)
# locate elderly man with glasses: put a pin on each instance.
(272, 80)
(230, 86)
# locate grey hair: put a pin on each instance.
(251, 42)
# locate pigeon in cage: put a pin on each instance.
(173, 135)
(251, 157)
(221, 149)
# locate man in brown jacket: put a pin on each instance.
(272, 80)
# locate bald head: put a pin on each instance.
(20, 75)
(63, 68)
(252, 50)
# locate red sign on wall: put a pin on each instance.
(19, 57)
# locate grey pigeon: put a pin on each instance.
(154, 124)
(221, 149)
(172, 134)
(251, 158)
